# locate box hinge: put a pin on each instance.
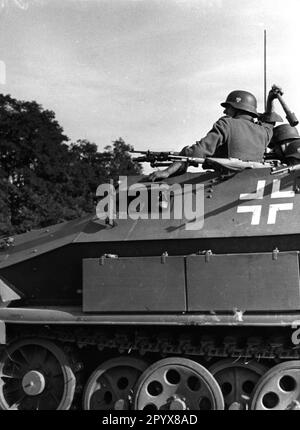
(164, 257)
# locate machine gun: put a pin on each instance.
(287, 169)
(158, 159)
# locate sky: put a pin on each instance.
(153, 72)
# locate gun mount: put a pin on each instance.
(158, 159)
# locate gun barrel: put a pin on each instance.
(160, 157)
(139, 152)
(155, 153)
(277, 172)
(194, 160)
(161, 163)
(290, 116)
(287, 169)
(140, 159)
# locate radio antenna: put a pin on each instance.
(265, 69)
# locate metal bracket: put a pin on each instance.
(7, 242)
(275, 253)
(2, 333)
(207, 253)
(110, 222)
(164, 257)
(8, 293)
(238, 315)
(104, 256)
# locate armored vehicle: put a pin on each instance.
(156, 312)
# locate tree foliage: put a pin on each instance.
(43, 178)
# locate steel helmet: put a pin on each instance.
(293, 150)
(242, 100)
(284, 132)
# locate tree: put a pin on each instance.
(119, 162)
(31, 140)
(33, 159)
(43, 180)
(90, 168)
(6, 227)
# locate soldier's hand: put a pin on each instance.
(159, 174)
(275, 91)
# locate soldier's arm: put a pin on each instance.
(270, 116)
(206, 147)
(175, 168)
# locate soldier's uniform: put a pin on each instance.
(239, 137)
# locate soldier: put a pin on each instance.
(292, 153)
(236, 135)
(284, 142)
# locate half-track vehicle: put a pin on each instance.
(159, 313)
